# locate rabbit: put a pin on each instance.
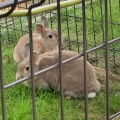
(72, 73)
(46, 39)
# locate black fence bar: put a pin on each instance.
(13, 6)
(63, 62)
(31, 56)
(106, 60)
(85, 59)
(31, 64)
(9, 3)
(60, 61)
(1, 81)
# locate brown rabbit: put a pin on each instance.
(46, 39)
(72, 77)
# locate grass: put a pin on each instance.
(18, 98)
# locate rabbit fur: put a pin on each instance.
(45, 40)
(72, 73)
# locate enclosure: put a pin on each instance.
(89, 27)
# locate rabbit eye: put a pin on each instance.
(27, 68)
(50, 36)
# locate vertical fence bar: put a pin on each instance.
(1, 81)
(60, 61)
(119, 5)
(102, 21)
(112, 32)
(93, 29)
(31, 56)
(51, 21)
(106, 60)
(77, 40)
(1, 69)
(85, 58)
(68, 30)
(31, 64)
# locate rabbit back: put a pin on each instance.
(72, 73)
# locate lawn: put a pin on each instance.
(18, 98)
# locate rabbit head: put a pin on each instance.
(45, 40)
(24, 68)
(48, 36)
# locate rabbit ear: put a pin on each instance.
(26, 52)
(40, 29)
(35, 57)
(44, 21)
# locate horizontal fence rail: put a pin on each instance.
(115, 116)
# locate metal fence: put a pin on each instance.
(71, 41)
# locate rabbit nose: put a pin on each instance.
(17, 77)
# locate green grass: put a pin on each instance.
(18, 98)
(18, 102)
